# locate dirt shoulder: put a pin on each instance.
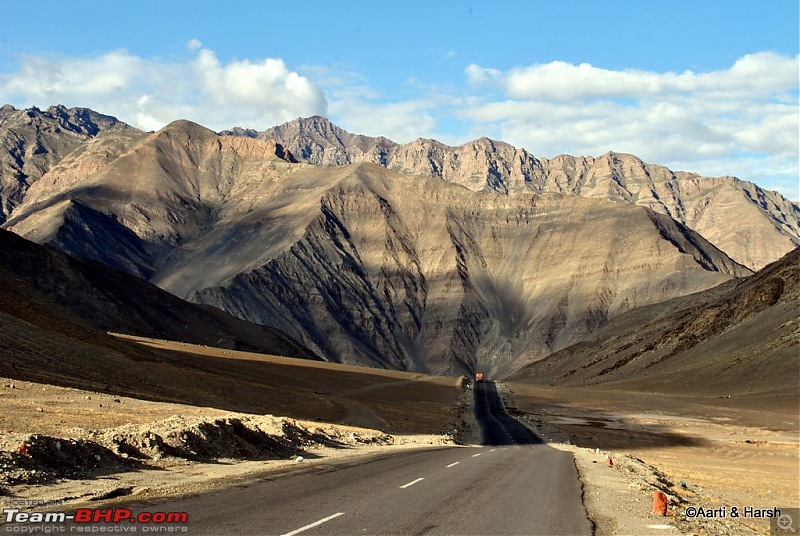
(76, 443)
(90, 446)
(697, 451)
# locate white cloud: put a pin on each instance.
(360, 108)
(264, 85)
(742, 120)
(738, 121)
(151, 93)
(560, 81)
(482, 75)
(401, 121)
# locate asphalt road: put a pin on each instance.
(497, 426)
(513, 485)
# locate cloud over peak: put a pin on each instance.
(151, 92)
(561, 81)
(742, 120)
(739, 120)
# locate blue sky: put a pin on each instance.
(708, 86)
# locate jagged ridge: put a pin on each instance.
(759, 226)
(360, 263)
(32, 141)
(742, 337)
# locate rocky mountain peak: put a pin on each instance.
(190, 134)
(361, 263)
(316, 140)
(239, 131)
(186, 128)
(321, 129)
(81, 121)
(33, 140)
(317, 123)
(495, 166)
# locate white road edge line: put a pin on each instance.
(452, 464)
(312, 525)
(476, 455)
(412, 483)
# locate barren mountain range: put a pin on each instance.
(752, 225)
(33, 141)
(364, 254)
(741, 337)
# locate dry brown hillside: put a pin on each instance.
(742, 337)
(361, 264)
(33, 141)
(42, 342)
(111, 300)
(752, 225)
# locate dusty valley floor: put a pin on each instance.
(699, 451)
(93, 447)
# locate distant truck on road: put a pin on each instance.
(479, 377)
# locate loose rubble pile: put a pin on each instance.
(39, 459)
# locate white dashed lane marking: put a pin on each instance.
(476, 455)
(452, 464)
(315, 524)
(411, 483)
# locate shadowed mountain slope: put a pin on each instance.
(740, 337)
(110, 300)
(42, 341)
(33, 141)
(362, 264)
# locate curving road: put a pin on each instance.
(512, 485)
